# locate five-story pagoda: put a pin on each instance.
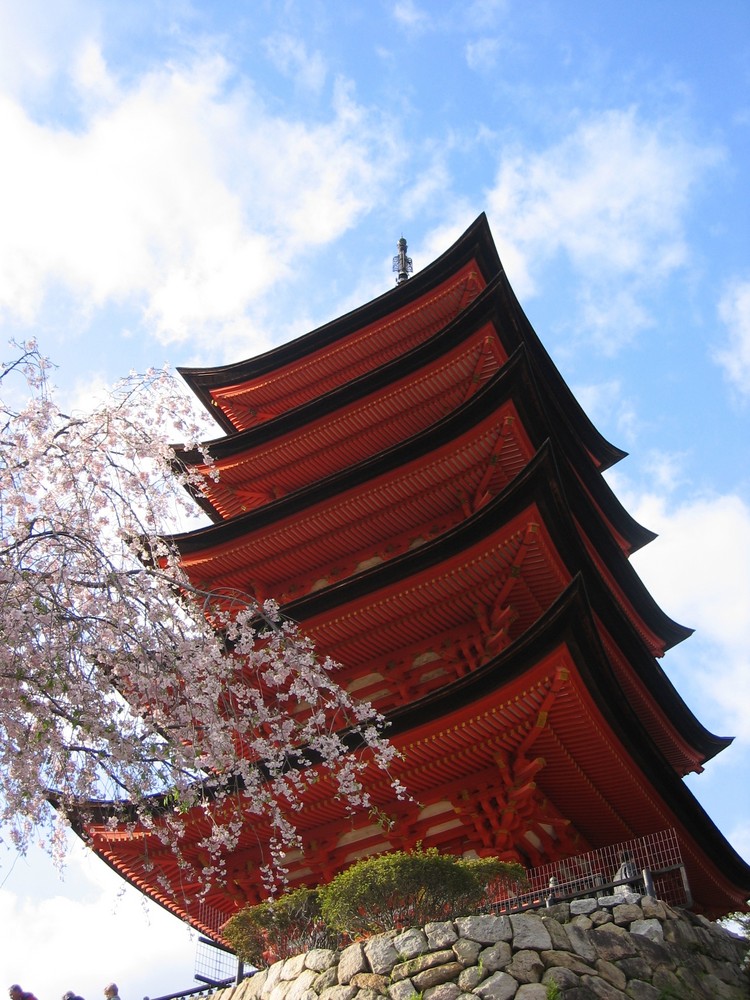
(416, 485)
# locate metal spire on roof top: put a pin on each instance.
(402, 264)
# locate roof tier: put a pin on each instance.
(247, 393)
(535, 756)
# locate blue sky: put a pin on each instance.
(193, 183)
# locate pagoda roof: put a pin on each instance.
(423, 484)
(538, 486)
(245, 393)
(287, 365)
(345, 427)
(540, 732)
(403, 630)
(407, 626)
(352, 423)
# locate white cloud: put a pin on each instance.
(35, 38)
(605, 403)
(410, 15)
(698, 570)
(482, 54)
(483, 12)
(734, 358)
(611, 197)
(178, 196)
(86, 931)
(290, 56)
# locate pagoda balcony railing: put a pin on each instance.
(650, 865)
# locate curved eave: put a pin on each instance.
(570, 621)
(556, 389)
(481, 312)
(516, 380)
(223, 548)
(538, 484)
(502, 388)
(616, 747)
(475, 244)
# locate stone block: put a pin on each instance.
(602, 989)
(466, 951)
(654, 952)
(272, 977)
(650, 928)
(566, 960)
(301, 984)
(626, 913)
(402, 990)
(253, 985)
(526, 967)
(680, 932)
(559, 912)
(666, 981)
(635, 968)
(440, 934)
(320, 959)
(371, 981)
(500, 986)
(352, 961)
(445, 991)
(610, 972)
(280, 990)
(564, 979)
(532, 991)
(486, 928)
(369, 995)
(469, 979)
(558, 934)
(292, 967)
(638, 990)
(436, 975)
(325, 979)
(406, 970)
(411, 943)
(612, 942)
(339, 993)
(495, 957)
(608, 902)
(653, 908)
(578, 906)
(599, 917)
(581, 920)
(579, 938)
(380, 953)
(529, 932)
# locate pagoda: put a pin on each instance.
(417, 486)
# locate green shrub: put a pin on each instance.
(279, 928)
(405, 889)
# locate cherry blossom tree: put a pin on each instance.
(119, 681)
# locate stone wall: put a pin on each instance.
(622, 947)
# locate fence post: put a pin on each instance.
(648, 882)
(686, 886)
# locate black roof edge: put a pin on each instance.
(476, 242)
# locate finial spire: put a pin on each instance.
(402, 264)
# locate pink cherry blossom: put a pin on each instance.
(119, 681)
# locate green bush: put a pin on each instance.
(405, 889)
(279, 928)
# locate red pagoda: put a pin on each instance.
(416, 485)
